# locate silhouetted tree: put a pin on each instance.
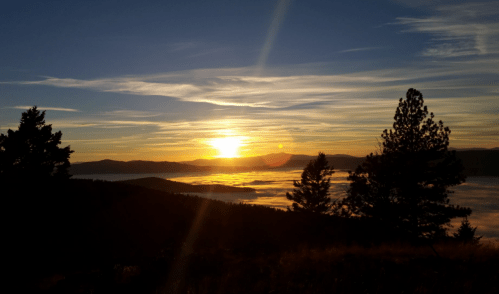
(466, 233)
(407, 184)
(312, 193)
(32, 151)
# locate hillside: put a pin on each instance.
(178, 187)
(113, 237)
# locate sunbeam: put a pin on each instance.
(277, 20)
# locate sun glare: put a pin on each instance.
(227, 147)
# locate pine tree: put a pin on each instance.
(406, 185)
(466, 233)
(32, 151)
(312, 191)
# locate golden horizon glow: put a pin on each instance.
(227, 147)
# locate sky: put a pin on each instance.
(175, 80)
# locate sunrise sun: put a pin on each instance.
(227, 147)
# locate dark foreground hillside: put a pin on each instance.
(88, 236)
(178, 187)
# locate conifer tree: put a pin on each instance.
(406, 185)
(312, 191)
(32, 151)
(466, 233)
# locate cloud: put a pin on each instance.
(419, 3)
(459, 30)
(237, 87)
(280, 89)
(331, 112)
(116, 140)
(132, 113)
(119, 85)
(46, 108)
(359, 49)
(302, 110)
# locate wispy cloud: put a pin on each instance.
(116, 140)
(459, 30)
(125, 85)
(132, 113)
(360, 49)
(237, 87)
(45, 108)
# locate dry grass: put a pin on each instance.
(388, 268)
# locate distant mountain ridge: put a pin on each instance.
(108, 166)
(339, 161)
(477, 162)
(480, 162)
(276, 160)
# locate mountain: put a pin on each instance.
(480, 162)
(477, 162)
(178, 187)
(242, 161)
(339, 161)
(473, 149)
(132, 167)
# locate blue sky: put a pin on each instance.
(160, 80)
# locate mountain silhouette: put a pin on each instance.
(477, 162)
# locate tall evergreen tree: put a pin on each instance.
(32, 152)
(312, 191)
(407, 184)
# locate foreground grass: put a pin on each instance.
(387, 268)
